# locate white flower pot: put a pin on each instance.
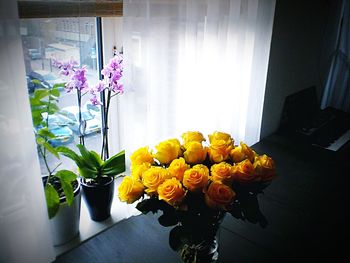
(65, 224)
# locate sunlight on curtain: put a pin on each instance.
(194, 65)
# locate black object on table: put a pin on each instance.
(306, 208)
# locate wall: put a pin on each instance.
(296, 48)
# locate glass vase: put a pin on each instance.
(195, 238)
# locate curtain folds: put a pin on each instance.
(194, 65)
(337, 88)
(25, 234)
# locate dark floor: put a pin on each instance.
(305, 207)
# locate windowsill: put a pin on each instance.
(88, 228)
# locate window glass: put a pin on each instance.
(63, 39)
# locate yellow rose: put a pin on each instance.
(153, 177)
(219, 150)
(243, 172)
(177, 168)
(196, 178)
(192, 137)
(168, 150)
(241, 153)
(220, 136)
(137, 170)
(219, 196)
(264, 167)
(195, 153)
(130, 190)
(222, 172)
(171, 191)
(141, 156)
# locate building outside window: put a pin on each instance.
(63, 39)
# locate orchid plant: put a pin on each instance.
(90, 164)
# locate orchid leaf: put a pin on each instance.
(71, 155)
(88, 159)
(115, 160)
(87, 172)
(97, 157)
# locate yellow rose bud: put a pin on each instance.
(153, 177)
(243, 172)
(222, 172)
(195, 153)
(168, 151)
(242, 152)
(192, 137)
(177, 168)
(130, 190)
(219, 196)
(220, 136)
(264, 167)
(141, 156)
(137, 170)
(219, 150)
(196, 178)
(171, 191)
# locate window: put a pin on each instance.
(61, 38)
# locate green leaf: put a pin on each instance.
(115, 164)
(53, 108)
(40, 141)
(51, 149)
(36, 81)
(55, 92)
(68, 191)
(89, 160)
(66, 175)
(84, 152)
(117, 169)
(71, 155)
(41, 93)
(46, 133)
(87, 172)
(97, 157)
(58, 85)
(52, 200)
(35, 101)
(148, 205)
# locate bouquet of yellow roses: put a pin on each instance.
(194, 177)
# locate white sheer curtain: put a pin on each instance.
(194, 65)
(24, 226)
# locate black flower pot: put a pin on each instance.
(98, 198)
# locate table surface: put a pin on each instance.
(305, 208)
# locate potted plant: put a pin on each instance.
(97, 171)
(97, 178)
(62, 189)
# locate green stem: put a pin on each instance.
(105, 151)
(46, 164)
(56, 168)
